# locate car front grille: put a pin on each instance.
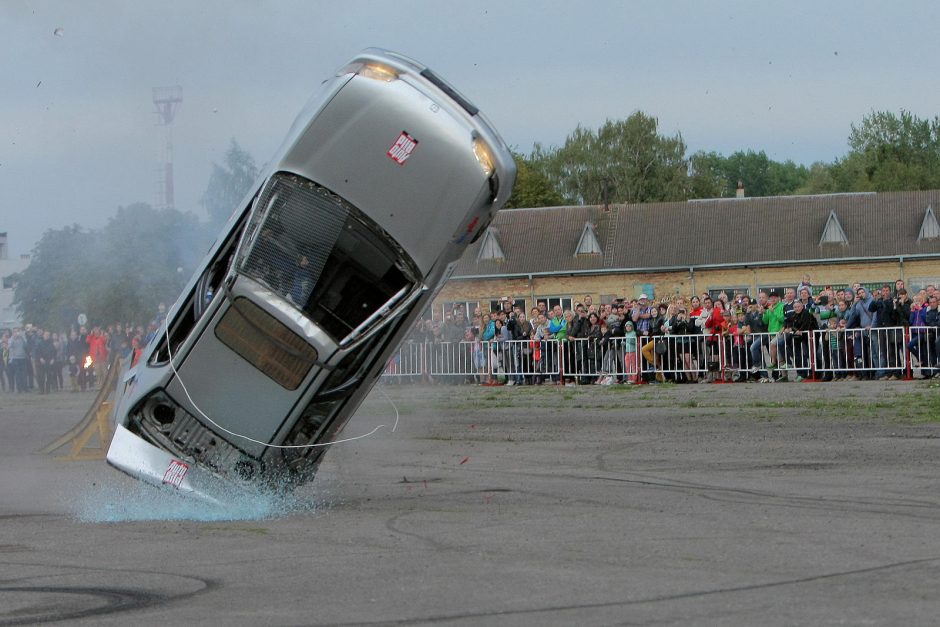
(187, 438)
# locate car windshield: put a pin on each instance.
(323, 255)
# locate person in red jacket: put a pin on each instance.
(716, 326)
(98, 350)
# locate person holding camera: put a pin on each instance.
(759, 341)
(918, 344)
(802, 325)
(653, 348)
(578, 326)
(593, 334)
(774, 318)
(519, 329)
(807, 299)
(612, 347)
(887, 315)
(681, 326)
(932, 340)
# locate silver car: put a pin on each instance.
(383, 180)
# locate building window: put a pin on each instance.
(835, 287)
(876, 285)
(8, 283)
(564, 301)
(450, 308)
(833, 233)
(490, 248)
(917, 284)
(588, 244)
(644, 288)
(779, 289)
(929, 228)
(714, 292)
(497, 304)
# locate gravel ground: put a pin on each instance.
(743, 504)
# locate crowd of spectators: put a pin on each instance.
(863, 335)
(680, 339)
(33, 359)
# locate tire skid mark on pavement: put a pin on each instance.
(930, 510)
(393, 525)
(727, 494)
(19, 516)
(116, 599)
(668, 598)
(601, 459)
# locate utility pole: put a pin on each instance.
(166, 101)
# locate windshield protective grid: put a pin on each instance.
(296, 231)
(323, 255)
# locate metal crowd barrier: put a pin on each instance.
(589, 359)
(410, 360)
(900, 352)
(519, 361)
(923, 348)
(771, 353)
(690, 356)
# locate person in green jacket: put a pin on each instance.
(773, 318)
(558, 325)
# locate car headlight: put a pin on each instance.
(378, 71)
(483, 155)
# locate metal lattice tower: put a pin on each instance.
(166, 100)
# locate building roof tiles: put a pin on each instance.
(734, 232)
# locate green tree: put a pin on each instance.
(760, 175)
(623, 161)
(49, 292)
(849, 174)
(149, 256)
(120, 273)
(228, 184)
(751, 169)
(786, 177)
(532, 188)
(891, 152)
(707, 176)
(820, 180)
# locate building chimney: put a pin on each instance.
(739, 193)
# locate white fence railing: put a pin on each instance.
(899, 352)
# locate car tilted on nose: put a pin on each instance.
(383, 180)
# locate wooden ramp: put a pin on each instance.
(97, 421)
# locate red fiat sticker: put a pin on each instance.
(175, 472)
(402, 148)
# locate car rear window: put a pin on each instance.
(266, 343)
(323, 255)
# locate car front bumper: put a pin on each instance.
(141, 460)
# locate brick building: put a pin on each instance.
(9, 316)
(560, 254)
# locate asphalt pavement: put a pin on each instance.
(741, 504)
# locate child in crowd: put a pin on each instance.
(835, 342)
(739, 340)
(631, 365)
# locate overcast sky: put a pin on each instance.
(77, 125)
